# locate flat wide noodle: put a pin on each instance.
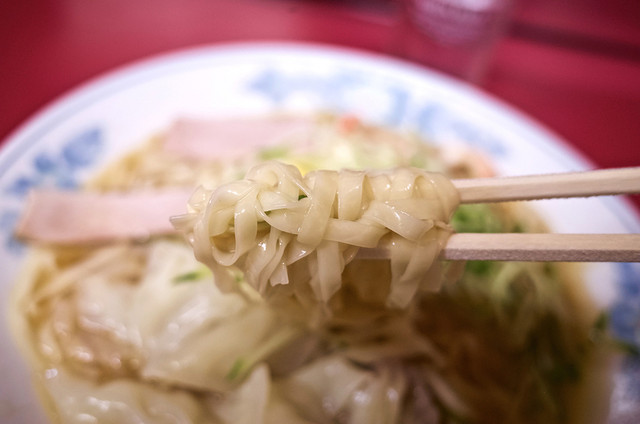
(275, 218)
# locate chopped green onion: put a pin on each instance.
(274, 153)
(236, 369)
(191, 276)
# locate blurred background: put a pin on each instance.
(574, 65)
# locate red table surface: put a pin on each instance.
(572, 65)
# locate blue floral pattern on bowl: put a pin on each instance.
(429, 117)
(57, 168)
(625, 325)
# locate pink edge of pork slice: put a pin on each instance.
(67, 217)
(232, 137)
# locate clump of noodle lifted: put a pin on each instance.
(291, 233)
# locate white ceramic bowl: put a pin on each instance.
(93, 124)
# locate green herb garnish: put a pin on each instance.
(192, 276)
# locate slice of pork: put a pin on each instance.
(65, 217)
(232, 137)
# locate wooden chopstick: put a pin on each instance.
(574, 184)
(532, 248)
(544, 247)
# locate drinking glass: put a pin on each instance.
(455, 36)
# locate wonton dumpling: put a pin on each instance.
(121, 401)
(190, 332)
(184, 333)
(333, 387)
(255, 402)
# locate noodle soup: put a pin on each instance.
(135, 329)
